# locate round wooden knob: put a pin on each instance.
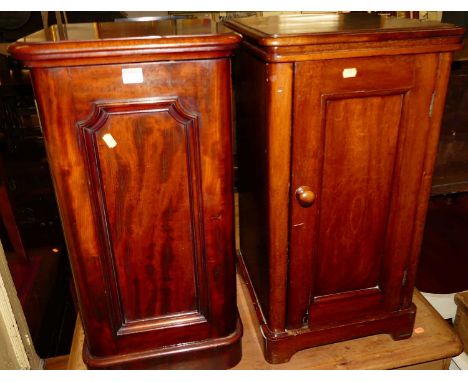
(305, 196)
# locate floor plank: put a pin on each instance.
(57, 363)
(431, 346)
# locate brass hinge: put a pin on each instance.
(305, 319)
(405, 277)
(431, 106)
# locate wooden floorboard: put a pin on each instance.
(431, 347)
(57, 363)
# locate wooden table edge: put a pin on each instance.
(420, 358)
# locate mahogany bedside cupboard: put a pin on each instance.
(137, 124)
(338, 121)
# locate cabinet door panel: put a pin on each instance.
(359, 145)
(144, 169)
(355, 194)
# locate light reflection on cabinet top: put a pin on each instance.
(352, 27)
(120, 42)
(291, 38)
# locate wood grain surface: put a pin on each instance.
(289, 38)
(430, 347)
(359, 130)
(349, 27)
(99, 43)
(142, 169)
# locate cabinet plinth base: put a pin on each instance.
(218, 353)
(280, 347)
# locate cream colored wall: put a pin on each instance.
(16, 348)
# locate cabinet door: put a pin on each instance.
(359, 146)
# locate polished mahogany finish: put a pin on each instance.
(338, 121)
(136, 119)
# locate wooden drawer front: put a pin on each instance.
(366, 74)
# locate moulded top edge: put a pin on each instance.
(91, 38)
(287, 30)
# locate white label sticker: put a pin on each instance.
(349, 72)
(132, 76)
(110, 141)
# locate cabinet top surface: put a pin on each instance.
(316, 29)
(87, 40)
